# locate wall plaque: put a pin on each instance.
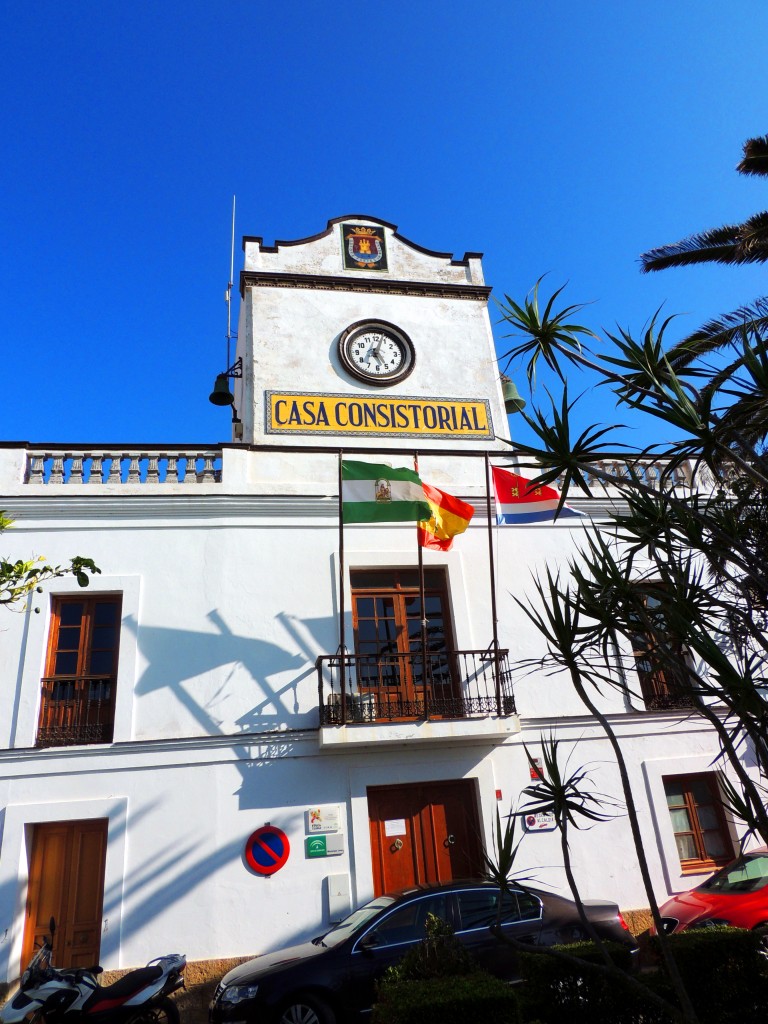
(296, 412)
(364, 248)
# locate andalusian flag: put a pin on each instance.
(450, 516)
(373, 493)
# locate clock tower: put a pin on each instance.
(357, 336)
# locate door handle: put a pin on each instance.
(449, 840)
(397, 845)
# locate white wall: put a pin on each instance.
(225, 609)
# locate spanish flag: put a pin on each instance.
(450, 516)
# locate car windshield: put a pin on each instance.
(747, 874)
(356, 920)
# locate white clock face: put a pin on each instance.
(376, 353)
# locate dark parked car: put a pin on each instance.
(333, 976)
(736, 895)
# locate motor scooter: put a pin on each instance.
(73, 995)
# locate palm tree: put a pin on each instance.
(732, 244)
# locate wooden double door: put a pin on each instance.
(427, 832)
(66, 882)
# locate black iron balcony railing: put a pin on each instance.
(76, 710)
(402, 687)
(662, 694)
(665, 682)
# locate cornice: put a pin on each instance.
(168, 506)
(284, 243)
(626, 724)
(165, 752)
(76, 506)
(375, 286)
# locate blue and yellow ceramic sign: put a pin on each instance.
(295, 412)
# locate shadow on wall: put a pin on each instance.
(179, 661)
(13, 712)
(8, 896)
(171, 873)
(162, 880)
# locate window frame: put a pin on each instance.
(703, 862)
(661, 687)
(19, 728)
(388, 583)
(82, 705)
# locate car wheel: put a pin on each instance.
(306, 1010)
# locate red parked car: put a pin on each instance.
(736, 895)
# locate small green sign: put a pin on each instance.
(316, 846)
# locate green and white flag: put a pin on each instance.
(373, 493)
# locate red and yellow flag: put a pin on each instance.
(450, 516)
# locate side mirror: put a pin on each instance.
(370, 942)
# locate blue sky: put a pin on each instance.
(555, 137)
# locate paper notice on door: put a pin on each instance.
(394, 827)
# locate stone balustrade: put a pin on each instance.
(189, 466)
(653, 472)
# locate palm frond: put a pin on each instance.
(566, 794)
(564, 461)
(755, 159)
(749, 321)
(731, 244)
(549, 335)
(506, 846)
(753, 240)
(715, 246)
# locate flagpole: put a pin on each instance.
(422, 600)
(342, 639)
(494, 616)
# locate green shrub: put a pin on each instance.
(722, 969)
(725, 973)
(439, 955)
(465, 999)
(555, 991)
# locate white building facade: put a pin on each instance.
(197, 691)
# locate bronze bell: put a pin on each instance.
(221, 395)
(512, 400)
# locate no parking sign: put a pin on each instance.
(267, 850)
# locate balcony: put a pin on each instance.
(367, 699)
(665, 682)
(662, 693)
(76, 711)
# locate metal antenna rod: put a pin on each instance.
(229, 286)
